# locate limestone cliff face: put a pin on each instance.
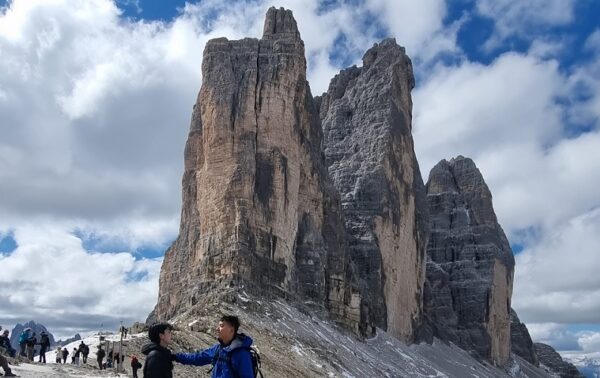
(520, 340)
(552, 361)
(366, 116)
(470, 264)
(259, 213)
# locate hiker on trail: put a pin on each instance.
(159, 359)
(75, 356)
(58, 355)
(4, 361)
(23, 337)
(100, 356)
(44, 345)
(84, 350)
(135, 365)
(30, 345)
(65, 353)
(5, 343)
(230, 358)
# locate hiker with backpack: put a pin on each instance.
(30, 346)
(135, 365)
(23, 337)
(232, 357)
(84, 350)
(44, 345)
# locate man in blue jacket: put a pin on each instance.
(230, 358)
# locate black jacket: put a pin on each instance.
(159, 363)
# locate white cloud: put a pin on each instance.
(519, 18)
(556, 280)
(50, 278)
(572, 344)
(95, 110)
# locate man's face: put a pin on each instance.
(165, 338)
(225, 331)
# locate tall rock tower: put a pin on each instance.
(259, 211)
(470, 264)
(367, 121)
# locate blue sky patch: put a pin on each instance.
(7, 243)
(94, 243)
(151, 10)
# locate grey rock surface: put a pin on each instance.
(367, 120)
(470, 264)
(520, 340)
(552, 361)
(259, 211)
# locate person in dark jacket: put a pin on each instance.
(65, 353)
(159, 359)
(230, 357)
(135, 365)
(100, 356)
(30, 346)
(5, 343)
(44, 345)
(84, 350)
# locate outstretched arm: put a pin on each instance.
(204, 357)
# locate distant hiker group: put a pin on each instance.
(232, 357)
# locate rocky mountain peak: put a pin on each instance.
(281, 23)
(366, 116)
(470, 264)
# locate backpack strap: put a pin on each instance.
(215, 359)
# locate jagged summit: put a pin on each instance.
(280, 21)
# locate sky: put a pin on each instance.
(96, 99)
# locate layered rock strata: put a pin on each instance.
(366, 116)
(470, 264)
(551, 360)
(259, 212)
(520, 340)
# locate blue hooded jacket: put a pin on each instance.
(234, 355)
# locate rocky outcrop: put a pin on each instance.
(366, 115)
(259, 212)
(520, 340)
(35, 327)
(553, 362)
(470, 263)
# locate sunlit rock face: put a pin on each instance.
(259, 213)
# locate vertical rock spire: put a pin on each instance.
(470, 264)
(280, 21)
(259, 212)
(367, 117)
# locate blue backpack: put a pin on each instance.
(23, 337)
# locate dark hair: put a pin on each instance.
(156, 329)
(233, 321)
